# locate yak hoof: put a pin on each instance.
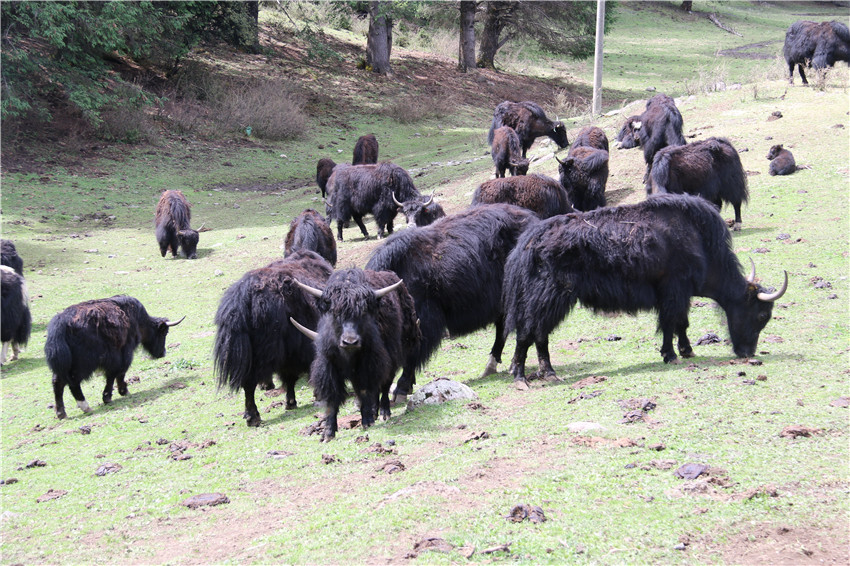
(60, 414)
(253, 420)
(84, 406)
(399, 399)
(327, 437)
(491, 367)
(291, 405)
(687, 353)
(521, 384)
(107, 399)
(736, 227)
(122, 389)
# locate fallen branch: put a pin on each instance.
(714, 19)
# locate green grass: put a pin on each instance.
(295, 509)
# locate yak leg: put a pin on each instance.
(367, 408)
(252, 414)
(496, 351)
(518, 362)
(77, 392)
(58, 392)
(802, 73)
(107, 391)
(544, 364)
(339, 224)
(290, 394)
(359, 220)
(330, 423)
(16, 350)
(3, 351)
(385, 401)
(685, 349)
(404, 385)
(737, 226)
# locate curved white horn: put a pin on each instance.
(751, 278)
(429, 201)
(395, 200)
(304, 330)
(381, 292)
(770, 297)
(312, 290)
(169, 323)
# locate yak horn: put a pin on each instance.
(751, 278)
(770, 297)
(381, 292)
(312, 290)
(558, 160)
(168, 323)
(304, 330)
(430, 199)
(395, 200)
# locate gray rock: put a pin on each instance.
(440, 391)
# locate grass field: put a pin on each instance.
(84, 227)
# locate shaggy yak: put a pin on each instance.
(365, 150)
(653, 255)
(541, 194)
(172, 225)
(507, 153)
(310, 231)
(15, 318)
(529, 122)
(817, 44)
(781, 161)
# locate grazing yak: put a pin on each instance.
(584, 174)
(100, 334)
(172, 225)
(10, 256)
(817, 44)
(629, 135)
(324, 168)
(255, 339)
(660, 126)
(710, 168)
(591, 136)
(365, 150)
(507, 153)
(529, 121)
(453, 270)
(367, 329)
(654, 255)
(357, 190)
(541, 194)
(781, 161)
(310, 231)
(15, 318)
(420, 213)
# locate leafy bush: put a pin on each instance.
(269, 107)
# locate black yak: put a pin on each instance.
(172, 225)
(453, 270)
(100, 334)
(541, 194)
(654, 255)
(10, 256)
(710, 168)
(367, 329)
(310, 231)
(255, 339)
(365, 150)
(629, 135)
(817, 44)
(419, 212)
(15, 318)
(584, 174)
(591, 136)
(781, 161)
(324, 168)
(529, 121)
(507, 153)
(660, 126)
(357, 190)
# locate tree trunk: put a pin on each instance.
(686, 5)
(466, 45)
(495, 20)
(379, 42)
(254, 13)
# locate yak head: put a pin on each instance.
(416, 210)
(559, 134)
(774, 151)
(748, 319)
(188, 240)
(349, 309)
(628, 136)
(154, 333)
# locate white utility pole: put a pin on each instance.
(597, 61)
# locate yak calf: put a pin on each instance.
(781, 161)
(584, 174)
(507, 152)
(172, 225)
(541, 194)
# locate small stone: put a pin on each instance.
(205, 500)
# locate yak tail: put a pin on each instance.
(56, 349)
(659, 174)
(232, 349)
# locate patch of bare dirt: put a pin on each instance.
(780, 545)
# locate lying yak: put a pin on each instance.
(368, 328)
(100, 334)
(820, 45)
(529, 122)
(709, 168)
(255, 339)
(781, 161)
(541, 194)
(172, 225)
(654, 255)
(629, 135)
